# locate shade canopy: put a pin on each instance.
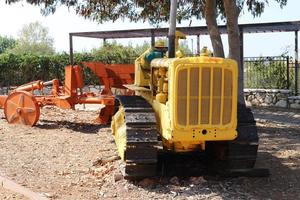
(194, 30)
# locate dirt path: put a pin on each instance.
(57, 157)
(22, 192)
(9, 195)
(278, 115)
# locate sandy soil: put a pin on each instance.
(60, 158)
(9, 195)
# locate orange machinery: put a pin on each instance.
(112, 75)
(22, 106)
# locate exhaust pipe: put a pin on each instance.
(172, 29)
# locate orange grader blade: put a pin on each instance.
(112, 75)
(2, 100)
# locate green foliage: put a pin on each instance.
(18, 69)
(154, 11)
(34, 39)
(115, 53)
(139, 49)
(6, 43)
(256, 8)
(184, 48)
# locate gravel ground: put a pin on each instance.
(9, 195)
(65, 157)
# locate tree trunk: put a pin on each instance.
(232, 13)
(212, 26)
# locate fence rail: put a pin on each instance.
(266, 72)
(271, 72)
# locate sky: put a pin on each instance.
(64, 21)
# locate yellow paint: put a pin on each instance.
(142, 67)
(119, 131)
(216, 132)
(142, 70)
(163, 95)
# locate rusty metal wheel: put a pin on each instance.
(21, 108)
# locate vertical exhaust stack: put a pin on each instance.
(172, 28)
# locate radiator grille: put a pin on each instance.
(206, 97)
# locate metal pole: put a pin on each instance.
(198, 44)
(152, 38)
(287, 72)
(242, 48)
(296, 62)
(193, 46)
(71, 49)
(172, 29)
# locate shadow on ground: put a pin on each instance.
(281, 184)
(278, 115)
(279, 143)
(86, 128)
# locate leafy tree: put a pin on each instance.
(18, 69)
(232, 9)
(184, 47)
(115, 53)
(142, 48)
(34, 39)
(6, 43)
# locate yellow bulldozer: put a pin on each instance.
(182, 105)
(185, 111)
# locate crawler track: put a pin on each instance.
(145, 157)
(228, 158)
(140, 156)
(237, 157)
